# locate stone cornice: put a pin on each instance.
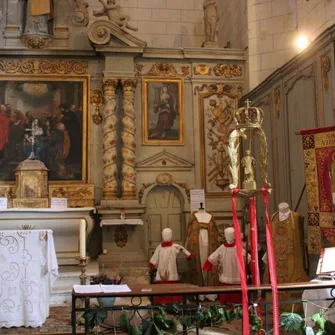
(194, 54)
(325, 39)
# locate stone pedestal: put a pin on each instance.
(123, 239)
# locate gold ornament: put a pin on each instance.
(97, 100)
(248, 124)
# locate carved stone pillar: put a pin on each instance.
(109, 139)
(128, 139)
(13, 20)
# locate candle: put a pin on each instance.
(82, 238)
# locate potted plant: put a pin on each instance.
(103, 279)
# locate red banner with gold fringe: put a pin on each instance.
(319, 156)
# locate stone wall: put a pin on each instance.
(164, 23)
(232, 23)
(273, 26)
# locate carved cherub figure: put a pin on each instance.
(113, 11)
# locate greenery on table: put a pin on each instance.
(294, 322)
(165, 319)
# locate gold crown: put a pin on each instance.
(248, 117)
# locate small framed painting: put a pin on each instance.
(162, 112)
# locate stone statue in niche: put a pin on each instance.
(38, 17)
(113, 12)
(211, 19)
(37, 24)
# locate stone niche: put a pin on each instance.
(31, 185)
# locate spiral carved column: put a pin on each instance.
(110, 172)
(128, 139)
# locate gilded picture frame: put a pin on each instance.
(216, 107)
(59, 103)
(162, 111)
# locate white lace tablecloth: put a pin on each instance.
(28, 269)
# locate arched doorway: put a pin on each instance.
(164, 210)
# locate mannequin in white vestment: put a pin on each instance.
(225, 258)
(165, 260)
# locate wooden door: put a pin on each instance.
(164, 210)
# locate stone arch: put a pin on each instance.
(166, 179)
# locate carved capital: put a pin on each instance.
(109, 85)
(129, 85)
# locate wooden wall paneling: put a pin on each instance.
(325, 61)
(265, 102)
(301, 113)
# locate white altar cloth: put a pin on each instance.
(28, 269)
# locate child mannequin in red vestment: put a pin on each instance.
(225, 257)
(165, 260)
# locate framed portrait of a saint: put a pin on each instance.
(162, 111)
(54, 109)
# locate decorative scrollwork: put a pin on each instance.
(228, 70)
(163, 70)
(142, 190)
(325, 68)
(138, 69)
(97, 100)
(80, 16)
(30, 66)
(220, 89)
(36, 41)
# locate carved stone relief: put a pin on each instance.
(216, 107)
(228, 70)
(80, 15)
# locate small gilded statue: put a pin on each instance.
(249, 163)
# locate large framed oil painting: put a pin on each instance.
(54, 109)
(163, 114)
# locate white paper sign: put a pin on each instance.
(3, 203)
(197, 197)
(58, 203)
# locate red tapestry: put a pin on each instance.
(319, 156)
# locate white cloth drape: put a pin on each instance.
(28, 269)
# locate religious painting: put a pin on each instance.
(216, 106)
(48, 114)
(163, 115)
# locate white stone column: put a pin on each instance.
(109, 139)
(128, 139)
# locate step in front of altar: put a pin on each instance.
(68, 276)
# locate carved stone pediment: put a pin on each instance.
(104, 32)
(164, 161)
